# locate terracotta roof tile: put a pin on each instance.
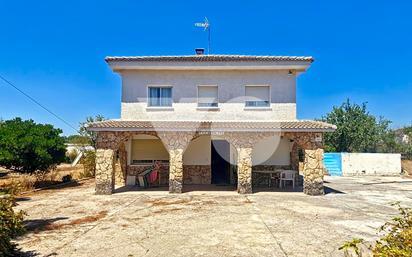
(293, 125)
(211, 58)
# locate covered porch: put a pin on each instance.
(115, 138)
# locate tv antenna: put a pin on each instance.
(206, 26)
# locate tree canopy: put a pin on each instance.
(92, 136)
(358, 130)
(26, 146)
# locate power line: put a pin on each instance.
(39, 104)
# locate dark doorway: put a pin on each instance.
(220, 162)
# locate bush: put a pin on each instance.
(18, 184)
(396, 240)
(11, 226)
(28, 147)
(89, 164)
(71, 156)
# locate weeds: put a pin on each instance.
(396, 239)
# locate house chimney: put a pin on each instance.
(200, 51)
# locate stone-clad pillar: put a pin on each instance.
(107, 144)
(313, 172)
(244, 170)
(105, 165)
(176, 143)
(312, 145)
(176, 170)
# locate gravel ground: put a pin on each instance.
(214, 221)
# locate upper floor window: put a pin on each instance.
(160, 96)
(257, 96)
(207, 96)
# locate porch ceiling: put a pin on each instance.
(212, 126)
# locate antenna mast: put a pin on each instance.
(206, 26)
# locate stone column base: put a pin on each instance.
(104, 189)
(175, 187)
(314, 187)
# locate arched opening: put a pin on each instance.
(142, 152)
(209, 164)
(270, 156)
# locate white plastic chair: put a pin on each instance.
(287, 175)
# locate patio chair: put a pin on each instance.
(274, 177)
(287, 175)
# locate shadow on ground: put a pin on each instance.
(22, 199)
(51, 185)
(21, 253)
(329, 190)
(38, 225)
(124, 189)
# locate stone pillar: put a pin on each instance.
(313, 172)
(105, 168)
(176, 170)
(176, 143)
(244, 170)
(312, 144)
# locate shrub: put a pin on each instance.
(71, 155)
(89, 164)
(18, 184)
(28, 147)
(396, 240)
(11, 226)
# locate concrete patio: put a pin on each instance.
(75, 222)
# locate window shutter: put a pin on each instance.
(257, 93)
(207, 95)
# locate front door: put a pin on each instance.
(220, 162)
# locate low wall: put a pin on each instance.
(354, 164)
(192, 174)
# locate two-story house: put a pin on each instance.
(208, 119)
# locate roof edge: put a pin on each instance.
(209, 58)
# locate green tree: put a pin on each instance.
(26, 146)
(406, 147)
(90, 134)
(358, 130)
(77, 139)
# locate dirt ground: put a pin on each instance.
(212, 221)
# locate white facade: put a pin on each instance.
(231, 85)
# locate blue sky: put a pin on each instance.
(54, 50)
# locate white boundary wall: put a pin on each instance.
(371, 164)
